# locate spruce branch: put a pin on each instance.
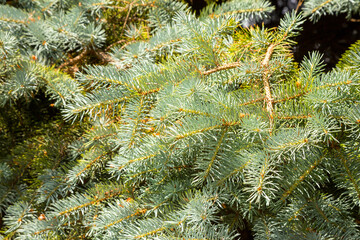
(80, 202)
(89, 165)
(321, 5)
(351, 177)
(179, 123)
(301, 178)
(138, 212)
(252, 101)
(216, 152)
(12, 20)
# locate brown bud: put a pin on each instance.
(42, 217)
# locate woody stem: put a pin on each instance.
(266, 76)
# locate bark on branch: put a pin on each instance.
(266, 76)
(100, 54)
(75, 60)
(103, 56)
(224, 67)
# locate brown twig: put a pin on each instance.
(126, 19)
(354, 20)
(299, 5)
(224, 67)
(266, 75)
(321, 6)
(113, 44)
(127, 44)
(103, 56)
(252, 101)
(74, 60)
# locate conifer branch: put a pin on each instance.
(143, 172)
(54, 88)
(321, 211)
(138, 212)
(42, 231)
(252, 101)
(351, 176)
(138, 159)
(188, 134)
(194, 112)
(90, 164)
(301, 94)
(225, 124)
(89, 203)
(296, 213)
(53, 190)
(188, 144)
(323, 215)
(321, 5)
(237, 170)
(12, 20)
(59, 82)
(217, 148)
(290, 97)
(301, 178)
(157, 47)
(260, 187)
(91, 106)
(150, 233)
(134, 131)
(108, 80)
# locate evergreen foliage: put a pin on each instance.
(196, 128)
